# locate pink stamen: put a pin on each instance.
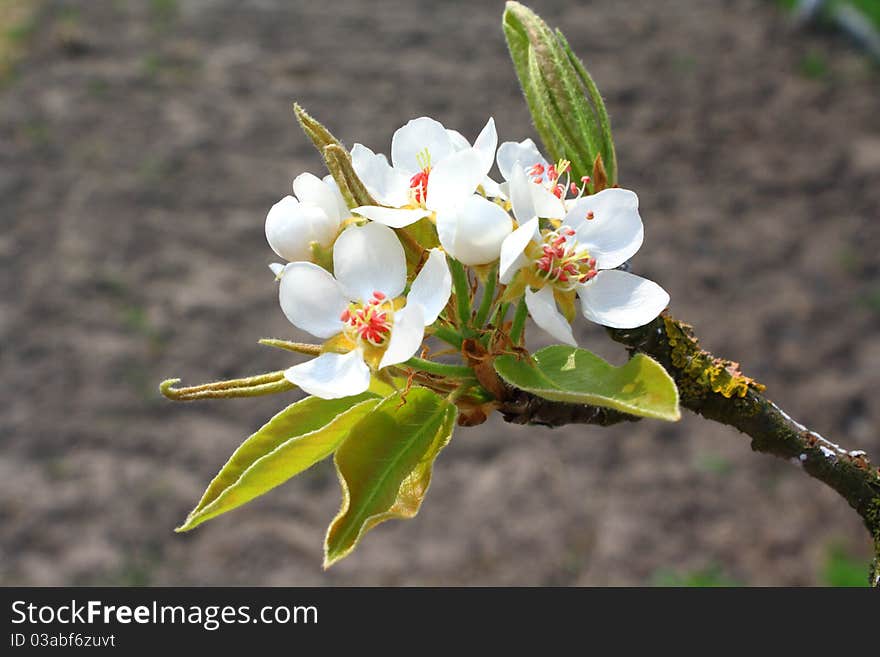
(419, 184)
(563, 264)
(369, 322)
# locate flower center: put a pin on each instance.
(562, 263)
(419, 182)
(369, 322)
(551, 177)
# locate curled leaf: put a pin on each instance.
(253, 386)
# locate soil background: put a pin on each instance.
(141, 144)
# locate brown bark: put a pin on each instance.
(715, 389)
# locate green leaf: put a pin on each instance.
(292, 441)
(566, 374)
(385, 466)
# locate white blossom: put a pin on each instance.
(435, 172)
(360, 310)
(599, 232)
(315, 214)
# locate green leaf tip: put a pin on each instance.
(321, 137)
(385, 467)
(301, 435)
(576, 376)
(336, 157)
(566, 107)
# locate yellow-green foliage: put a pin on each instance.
(701, 369)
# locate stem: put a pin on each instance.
(501, 314)
(519, 322)
(462, 296)
(448, 335)
(457, 393)
(411, 247)
(287, 345)
(488, 298)
(441, 369)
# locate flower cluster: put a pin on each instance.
(369, 285)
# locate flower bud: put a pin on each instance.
(564, 102)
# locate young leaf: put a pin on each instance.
(336, 158)
(566, 374)
(292, 441)
(385, 466)
(338, 161)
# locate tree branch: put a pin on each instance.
(716, 389)
(524, 408)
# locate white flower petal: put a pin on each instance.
(340, 200)
(615, 232)
(521, 195)
(454, 179)
(369, 259)
(542, 308)
(406, 335)
(492, 189)
(312, 299)
(524, 152)
(310, 189)
(474, 231)
(386, 185)
(621, 300)
(432, 286)
(504, 190)
(547, 205)
(416, 136)
(459, 141)
(485, 145)
(291, 227)
(331, 376)
(512, 257)
(393, 217)
(277, 269)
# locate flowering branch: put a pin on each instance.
(382, 254)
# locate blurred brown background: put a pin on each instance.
(141, 144)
